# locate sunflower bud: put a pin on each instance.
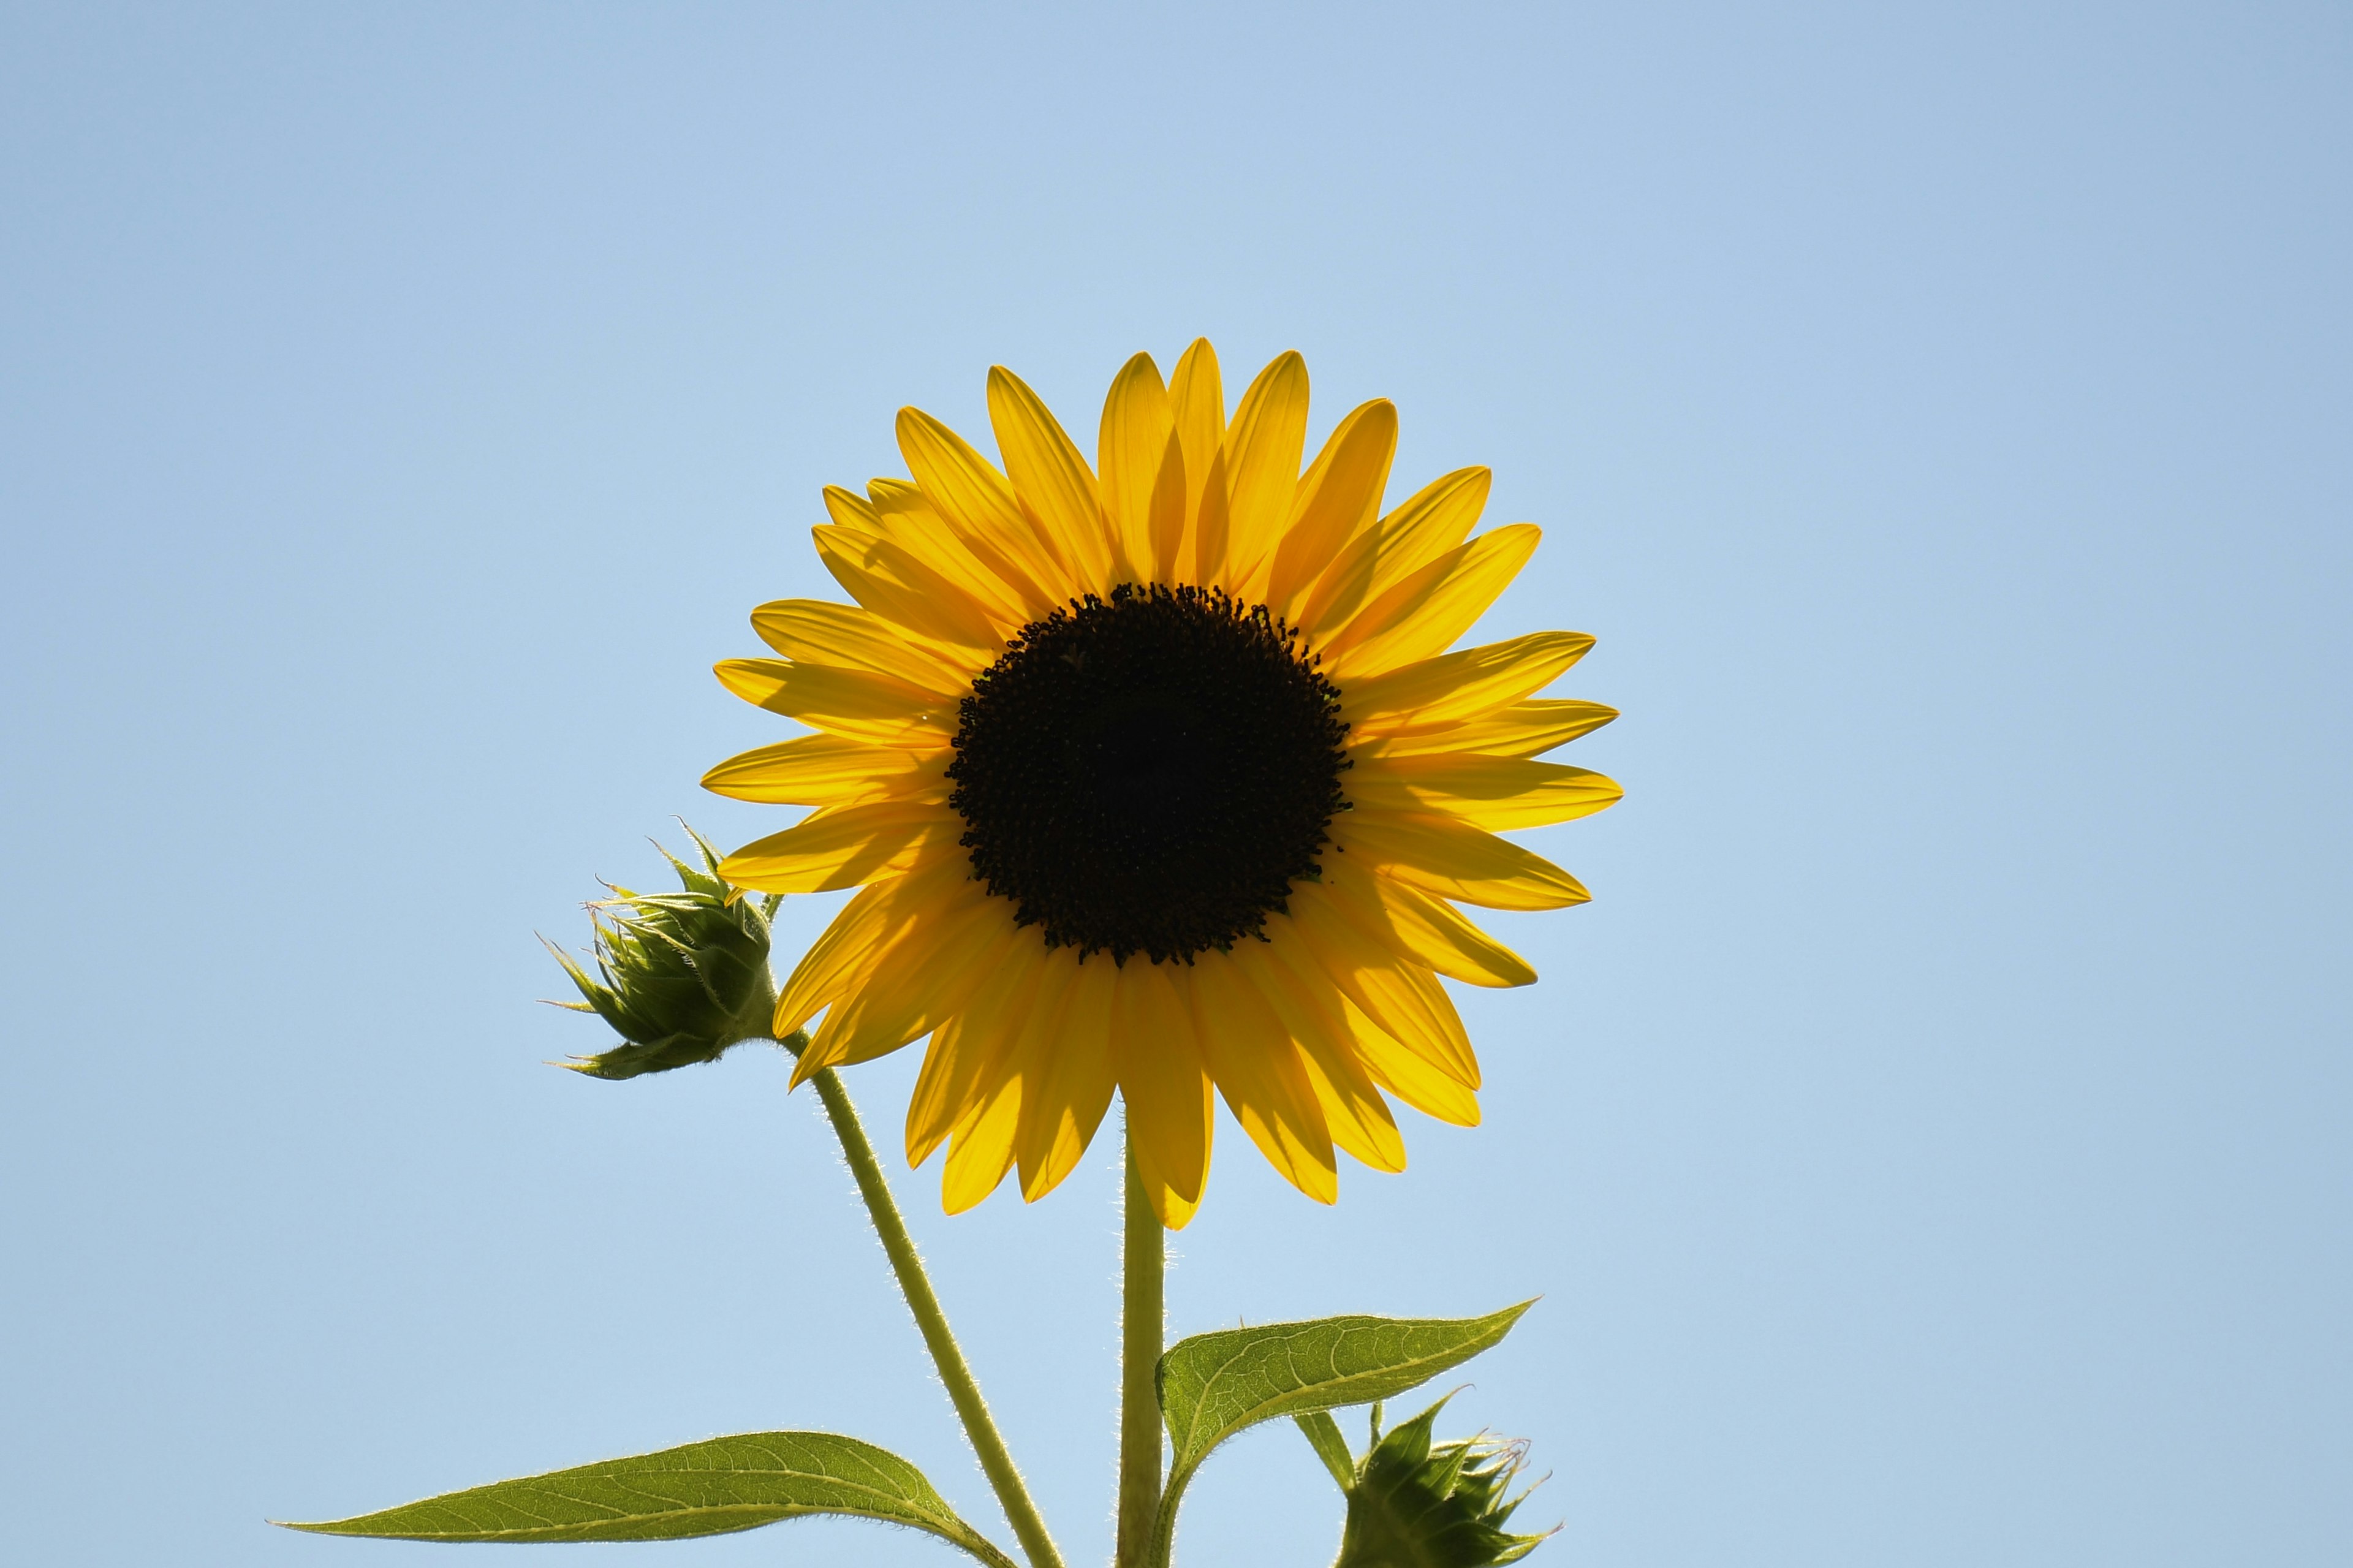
(1420, 1504)
(685, 974)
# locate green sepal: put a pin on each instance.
(713, 1488)
(1214, 1386)
(1416, 1503)
(684, 975)
(1323, 1435)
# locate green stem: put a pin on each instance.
(1142, 1325)
(917, 1285)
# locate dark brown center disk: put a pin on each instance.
(1149, 774)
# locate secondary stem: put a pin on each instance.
(1141, 1328)
(917, 1285)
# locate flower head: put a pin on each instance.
(1157, 777)
(684, 974)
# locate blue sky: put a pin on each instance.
(1931, 1145)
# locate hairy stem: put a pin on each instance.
(917, 1285)
(1141, 1330)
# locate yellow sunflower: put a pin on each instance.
(1156, 776)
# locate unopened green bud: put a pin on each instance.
(1416, 1503)
(685, 975)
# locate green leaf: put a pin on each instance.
(1214, 1386)
(711, 1488)
(1323, 1435)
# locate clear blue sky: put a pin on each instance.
(1931, 1144)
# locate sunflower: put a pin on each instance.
(1157, 777)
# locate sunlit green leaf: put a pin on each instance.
(711, 1488)
(1214, 1386)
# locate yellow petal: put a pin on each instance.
(983, 1151)
(1310, 1009)
(1486, 792)
(1410, 1077)
(1169, 1112)
(853, 512)
(1449, 857)
(818, 631)
(1431, 522)
(825, 770)
(885, 577)
(1400, 996)
(916, 983)
(886, 495)
(986, 1141)
(1053, 481)
(1173, 1210)
(1456, 686)
(967, 1053)
(851, 703)
(1424, 613)
(1263, 449)
(1521, 729)
(845, 846)
(1338, 499)
(1257, 1069)
(1425, 928)
(1197, 403)
(910, 519)
(849, 946)
(1064, 1101)
(979, 502)
(1166, 521)
(1209, 535)
(1138, 427)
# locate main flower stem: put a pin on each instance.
(1141, 1328)
(917, 1285)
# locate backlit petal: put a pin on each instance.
(1138, 427)
(1064, 1101)
(825, 770)
(1428, 524)
(1166, 1088)
(983, 1150)
(913, 985)
(843, 702)
(910, 519)
(1257, 1069)
(1487, 792)
(847, 947)
(845, 846)
(1310, 1009)
(1197, 400)
(1338, 499)
(1453, 686)
(885, 577)
(818, 631)
(1263, 449)
(1403, 997)
(1052, 480)
(968, 1052)
(1451, 858)
(1424, 613)
(979, 502)
(1521, 729)
(851, 703)
(1427, 929)
(1167, 521)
